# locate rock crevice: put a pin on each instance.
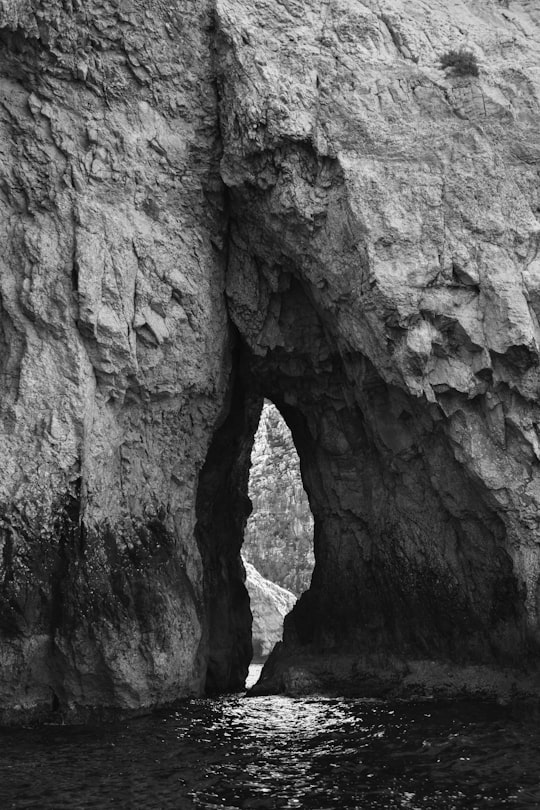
(384, 302)
(202, 205)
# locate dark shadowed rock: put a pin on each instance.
(202, 205)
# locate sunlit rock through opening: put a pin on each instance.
(334, 207)
(278, 544)
(308, 203)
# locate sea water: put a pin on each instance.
(316, 753)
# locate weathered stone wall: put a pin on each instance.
(114, 347)
(279, 533)
(373, 223)
(383, 274)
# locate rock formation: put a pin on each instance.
(278, 539)
(115, 350)
(383, 274)
(269, 605)
(207, 204)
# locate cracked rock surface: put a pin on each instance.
(202, 205)
(278, 539)
(114, 349)
(383, 273)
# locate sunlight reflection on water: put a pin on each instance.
(282, 754)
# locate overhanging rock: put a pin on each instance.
(205, 204)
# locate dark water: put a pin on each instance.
(282, 753)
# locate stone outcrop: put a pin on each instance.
(269, 605)
(207, 204)
(383, 274)
(115, 350)
(278, 539)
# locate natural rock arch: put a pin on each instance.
(204, 204)
(411, 562)
(396, 330)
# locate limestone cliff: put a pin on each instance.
(278, 538)
(207, 204)
(115, 352)
(384, 275)
(269, 605)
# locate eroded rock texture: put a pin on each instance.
(114, 348)
(373, 222)
(278, 539)
(383, 273)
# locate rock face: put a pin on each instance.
(383, 274)
(278, 539)
(115, 352)
(207, 204)
(269, 605)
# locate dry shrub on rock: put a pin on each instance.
(463, 62)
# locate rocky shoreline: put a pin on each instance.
(206, 205)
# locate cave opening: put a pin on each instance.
(278, 540)
(410, 557)
(255, 568)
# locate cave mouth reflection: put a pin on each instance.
(278, 539)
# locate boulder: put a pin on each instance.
(269, 605)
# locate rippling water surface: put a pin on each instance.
(278, 752)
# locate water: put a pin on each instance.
(277, 752)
